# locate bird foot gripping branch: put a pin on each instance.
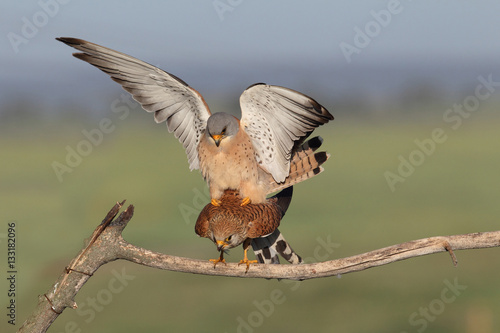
(245, 260)
(220, 259)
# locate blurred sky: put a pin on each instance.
(226, 45)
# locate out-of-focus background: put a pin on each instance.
(413, 86)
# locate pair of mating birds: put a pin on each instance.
(243, 161)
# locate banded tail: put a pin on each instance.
(267, 248)
(305, 164)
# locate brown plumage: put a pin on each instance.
(231, 224)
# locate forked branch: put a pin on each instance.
(107, 244)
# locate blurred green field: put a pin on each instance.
(455, 190)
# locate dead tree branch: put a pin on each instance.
(107, 244)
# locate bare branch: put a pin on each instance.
(335, 267)
(107, 244)
(82, 267)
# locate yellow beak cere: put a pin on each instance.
(220, 245)
(217, 138)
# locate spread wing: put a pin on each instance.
(166, 95)
(276, 119)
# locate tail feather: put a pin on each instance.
(304, 164)
(264, 252)
(268, 248)
(306, 148)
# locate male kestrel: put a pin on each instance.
(251, 155)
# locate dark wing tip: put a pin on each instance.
(320, 109)
(82, 56)
(326, 113)
(71, 41)
(284, 198)
(183, 82)
(330, 116)
(256, 84)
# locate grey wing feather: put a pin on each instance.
(170, 98)
(276, 118)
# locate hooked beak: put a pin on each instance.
(217, 139)
(220, 245)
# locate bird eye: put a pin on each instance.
(229, 238)
(223, 131)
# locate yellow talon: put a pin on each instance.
(221, 259)
(245, 201)
(216, 261)
(216, 202)
(246, 261)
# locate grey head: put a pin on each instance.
(221, 125)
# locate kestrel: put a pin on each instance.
(251, 155)
(230, 224)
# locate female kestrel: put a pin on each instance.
(251, 155)
(230, 224)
